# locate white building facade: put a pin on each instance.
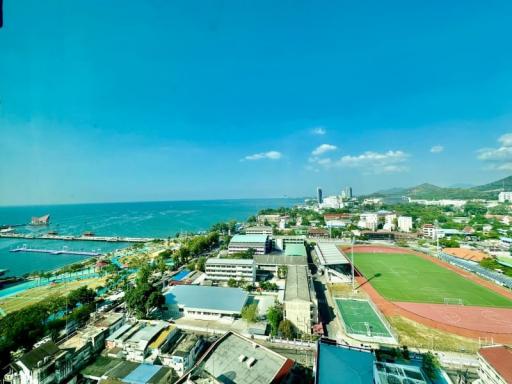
(405, 223)
(225, 269)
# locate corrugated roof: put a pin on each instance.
(280, 260)
(500, 358)
(295, 250)
(330, 254)
(466, 254)
(142, 374)
(249, 239)
(297, 284)
(230, 300)
(355, 366)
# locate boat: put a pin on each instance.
(42, 220)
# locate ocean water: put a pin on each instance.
(145, 219)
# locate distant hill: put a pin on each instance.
(433, 192)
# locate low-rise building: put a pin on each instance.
(334, 264)
(238, 360)
(225, 269)
(389, 222)
(495, 365)
(183, 353)
(369, 221)
(300, 306)
(429, 230)
(318, 232)
(295, 250)
(504, 197)
(272, 262)
(205, 303)
(46, 364)
(404, 223)
(137, 346)
(280, 242)
(261, 244)
(259, 230)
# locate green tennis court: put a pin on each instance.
(360, 318)
(411, 278)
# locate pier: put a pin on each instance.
(114, 239)
(56, 251)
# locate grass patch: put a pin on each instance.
(418, 335)
(37, 294)
(410, 278)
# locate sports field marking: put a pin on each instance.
(410, 278)
(360, 318)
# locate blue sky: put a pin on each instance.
(155, 100)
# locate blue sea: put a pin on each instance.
(144, 219)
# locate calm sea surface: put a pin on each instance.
(149, 219)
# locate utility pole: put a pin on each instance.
(352, 256)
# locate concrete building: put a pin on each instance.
(205, 303)
(495, 365)
(261, 244)
(221, 270)
(183, 354)
(333, 202)
(333, 263)
(138, 346)
(505, 197)
(389, 222)
(280, 242)
(46, 364)
(295, 250)
(237, 360)
(404, 223)
(428, 230)
(259, 230)
(369, 221)
(112, 370)
(300, 306)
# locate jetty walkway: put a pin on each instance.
(113, 239)
(56, 251)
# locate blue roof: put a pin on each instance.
(341, 365)
(249, 238)
(142, 374)
(203, 297)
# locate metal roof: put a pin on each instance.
(297, 284)
(330, 254)
(249, 239)
(356, 365)
(220, 299)
(280, 260)
(142, 374)
(295, 250)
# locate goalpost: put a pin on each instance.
(453, 301)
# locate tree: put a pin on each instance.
(430, 365)
(274, 317)
(282, 271)
(82, 295)
(142, 297)
(286, 329)
(232, 283)
(250, 313)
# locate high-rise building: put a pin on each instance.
(319, 197)
(348, 192)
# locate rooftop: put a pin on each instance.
(148, 332)
(500, 358)
(30, 359)
(330, 254)
(297, 284)
(280, 260)
(237, 360)
(185, 344)
(343, 365)
(295, 250)
(214, 260)
(249, 239)
(259, 228)
(466, 254)
(230, 300)
(121, 331)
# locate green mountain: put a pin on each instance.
(433, 192)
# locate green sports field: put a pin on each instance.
(360, 318)
(407, 277)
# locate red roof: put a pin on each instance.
(500, 358)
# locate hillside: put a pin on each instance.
(433, 192)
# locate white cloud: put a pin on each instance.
(375, 162)
(437, 149)
(498, 158)
(321, 149)
(270, 155)
(318, 131)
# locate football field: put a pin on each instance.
(360, 318)
(410, 278)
